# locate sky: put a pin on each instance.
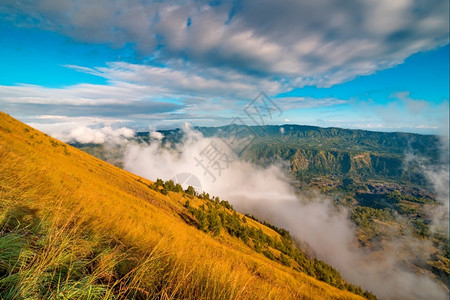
(376, 65)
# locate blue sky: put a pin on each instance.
(371, 65)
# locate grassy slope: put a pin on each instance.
(72, 226)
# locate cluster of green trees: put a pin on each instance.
(363, 215)
(420, 228)
(164, 187)
(405, 205)
(215, 216)
(283, 232)
(397, 197)
(170, 186)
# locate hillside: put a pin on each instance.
(380, 177)
(73, 226)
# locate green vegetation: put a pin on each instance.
(421, 229)
(166, 187)
(398, 197)
(42, 261)
(363, 216)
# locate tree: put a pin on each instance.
(178, 188)
(202, 219)
(226, 204)
(285, 260)
(190, 191)
(169, 185)
(347, 181)
(215, 225)
(187, 204)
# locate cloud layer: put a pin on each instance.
(321, 42)
(84, 129)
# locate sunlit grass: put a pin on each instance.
(74, 227)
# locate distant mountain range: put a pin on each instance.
(313, 151)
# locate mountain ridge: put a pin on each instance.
(315, 151)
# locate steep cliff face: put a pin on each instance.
(312, 151)
(338, 138)
(331, 162)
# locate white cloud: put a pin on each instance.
(97, 135)
(77, 95)
(288, 103)
(83, 129)
(320, 42)
(415, 113)
(156, 135)
(173, 79)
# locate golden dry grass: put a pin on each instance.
(99, 232)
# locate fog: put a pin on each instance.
(312, 219)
